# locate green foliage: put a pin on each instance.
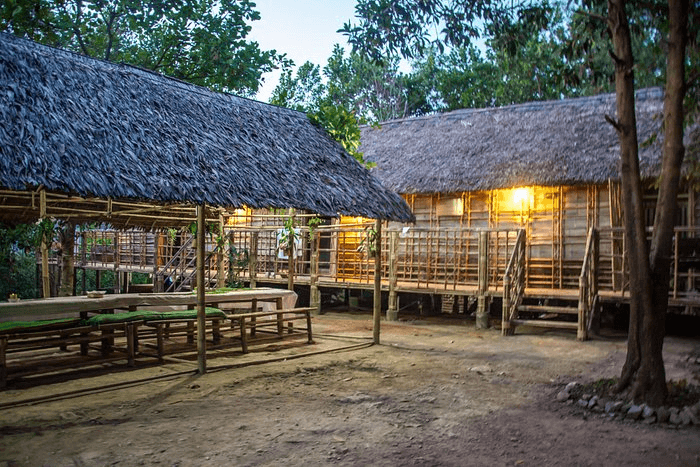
(312, 223)
(198, 41)
(342, 125)
(238, 261)
(302, 92)
(19, 275)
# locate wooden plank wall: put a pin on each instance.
(556, 220)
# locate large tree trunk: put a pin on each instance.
(67, 237)
(649, 274)
(626, 126)
(651, 380)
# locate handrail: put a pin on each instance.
(176, 255)
(588, 284)
(513, 284)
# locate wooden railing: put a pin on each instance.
(588, 284)
(513, 284)
(174, 268)
(685, 263)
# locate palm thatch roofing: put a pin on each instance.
(565, 142)
(111, 140)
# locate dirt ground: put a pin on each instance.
(436, 392)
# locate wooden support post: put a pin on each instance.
(483, 299)
(45, 278)
(392, 314)
(201, 312)
(253, 260)
(377, 281)
(220, 276)
(315, 293)
(291, 254)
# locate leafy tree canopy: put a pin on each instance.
(199, 41)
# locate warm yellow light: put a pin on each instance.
(239, 216)
(521, 197)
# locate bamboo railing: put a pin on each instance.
(513, 284)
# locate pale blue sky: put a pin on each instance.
(303, 29)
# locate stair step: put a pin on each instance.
(565, 310)
(544, 324)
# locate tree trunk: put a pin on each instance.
(67, 237)
(649, 275)
(626, 126)
(651, 381)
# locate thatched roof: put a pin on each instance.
(565, 142)
(81, 126)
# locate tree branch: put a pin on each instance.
(614, 123)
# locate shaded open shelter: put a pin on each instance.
(92, 141)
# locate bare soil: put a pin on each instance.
(436, 392)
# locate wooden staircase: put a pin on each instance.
(573, 313)
(547, 316)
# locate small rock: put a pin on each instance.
(571, 386)
(647, 412)
(582, 403)
(650, 420)
(674, 419)
(563, 395)
(674, 410)
(688, 417)
(695, 409)
(592, 402)
(662, 414)
(626, 407)
(586, 397)
(635, 412)
(613, 406)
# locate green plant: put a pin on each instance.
(313, 223)
(369, 242)
(238, 261)
(288, 235)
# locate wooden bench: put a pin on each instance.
(22, 341)
(244, 327)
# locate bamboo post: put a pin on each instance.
(201, 313)
(292, 252)
(505, 309)
(377, 281)
(220, 277)
(392, 314)
(45, 279)
(253, 260)
(315, 298)
(482, 311)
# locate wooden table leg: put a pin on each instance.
(130, 352)
(244, 338)
(215, 331)
(3, 362)
(308, 326)
(159, 341)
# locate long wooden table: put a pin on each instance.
(72, 307)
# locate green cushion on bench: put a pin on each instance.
(139, 315)
(192, 314)
(36, 326)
